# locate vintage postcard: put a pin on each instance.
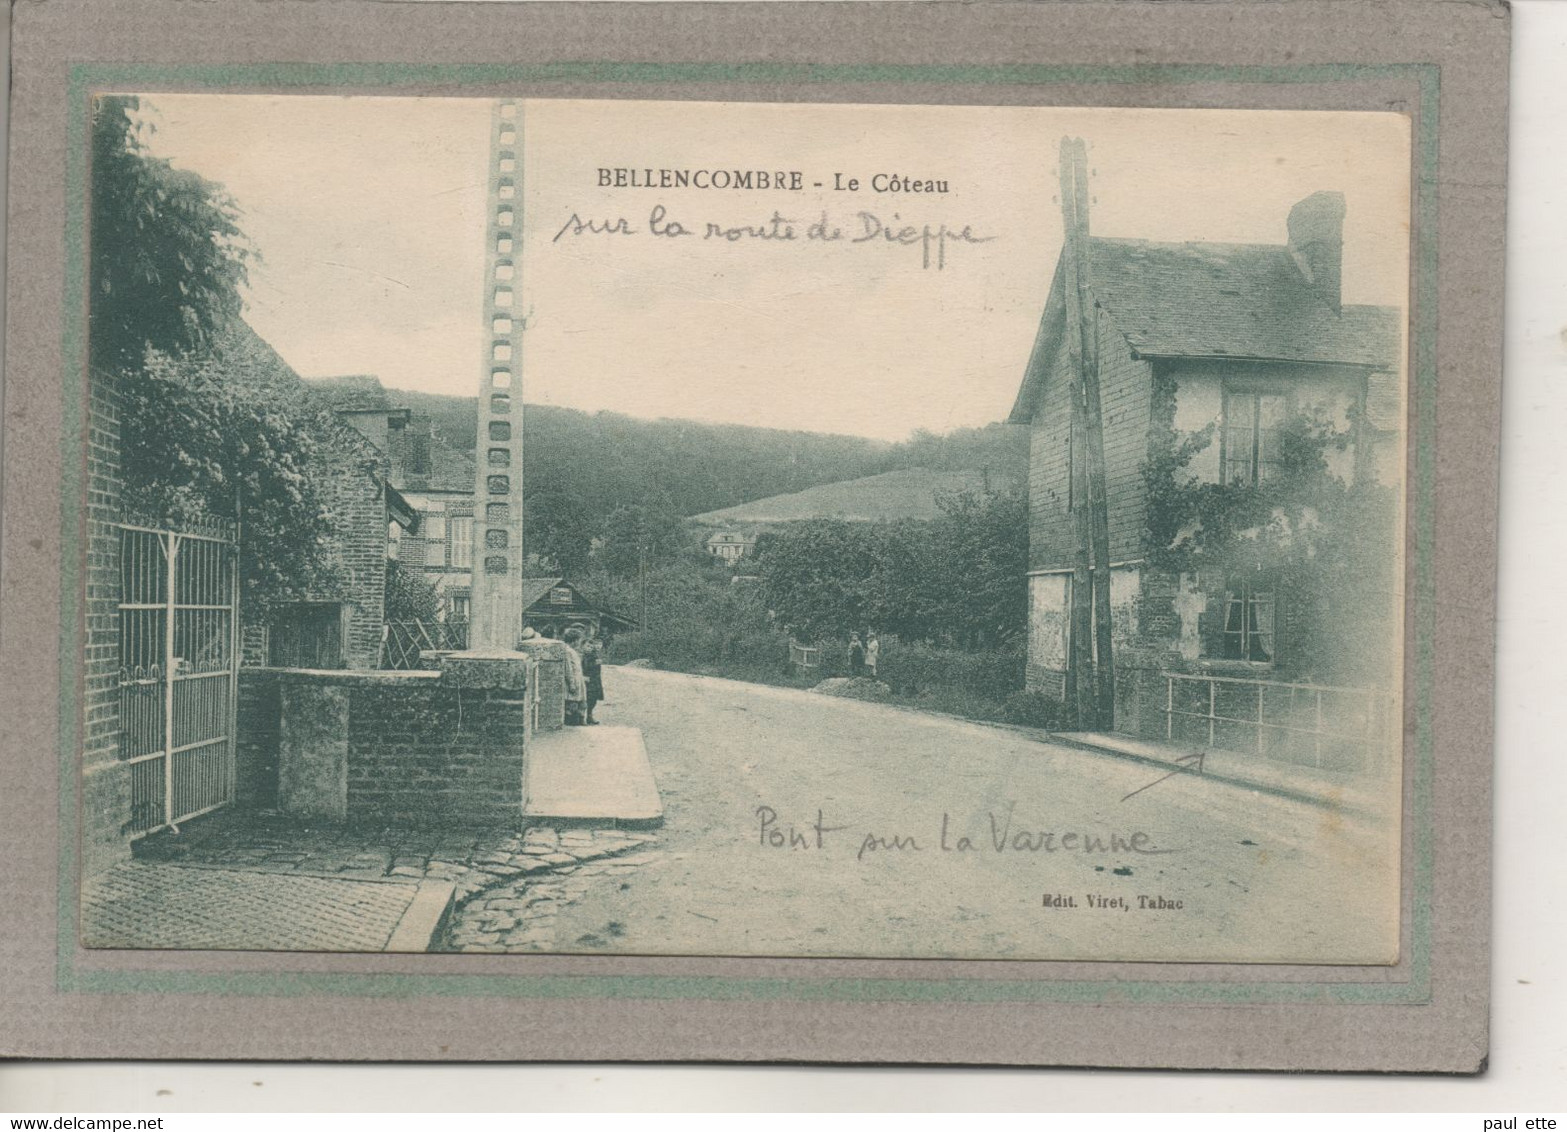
(746, 529)
(733, 547)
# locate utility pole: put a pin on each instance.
(1080, 632)
(642, 577)
(1092, 649)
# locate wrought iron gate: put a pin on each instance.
(179, 615)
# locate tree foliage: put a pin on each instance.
(560, 531)
(167, 256)
(199, 440)
(956, 580)
(602, 460)
(636, 536)
(409, 596)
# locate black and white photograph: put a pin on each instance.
(753, 529)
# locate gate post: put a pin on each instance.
(171, 550)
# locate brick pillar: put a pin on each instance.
(106, 802)
(497, 567)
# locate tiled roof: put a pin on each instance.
(1232, 300)
(1198, 300)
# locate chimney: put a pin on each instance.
(1316, 228)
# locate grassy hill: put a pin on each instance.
(908, 493)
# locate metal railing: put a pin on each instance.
(1323, 724)
(178, 627)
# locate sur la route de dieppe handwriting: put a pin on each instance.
(933, 239)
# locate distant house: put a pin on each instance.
(1227, 337)
(553, 605)
(435, 478)
(730, 546)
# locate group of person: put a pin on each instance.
(583, 653)
(864, 654)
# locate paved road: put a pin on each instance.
(1256, 877)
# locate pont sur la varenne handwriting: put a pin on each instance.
(1004, 836)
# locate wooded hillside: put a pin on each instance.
(601, 461)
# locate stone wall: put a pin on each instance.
(549, 662)
(258, 722)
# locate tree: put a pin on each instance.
(637, 536)
(954, 580)
(558, 531)
(978, 589)
(209, 434)
(167, 257)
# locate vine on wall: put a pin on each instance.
(1325, 545)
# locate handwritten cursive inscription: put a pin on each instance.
(867, 229)
(1004, 837)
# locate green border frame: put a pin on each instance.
(283, 77)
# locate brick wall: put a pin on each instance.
(420, 749)
(1126, 391)
(1126, 397)
(358, 503)
(106, 805)
(434, 753)
(254, 640)
(1126, 402)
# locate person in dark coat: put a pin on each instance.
(856, 656)
(592, 653)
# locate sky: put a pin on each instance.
(370, 217)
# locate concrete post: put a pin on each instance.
(498, 563)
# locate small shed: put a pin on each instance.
(553, 605)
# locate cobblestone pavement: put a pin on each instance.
(549, 870)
